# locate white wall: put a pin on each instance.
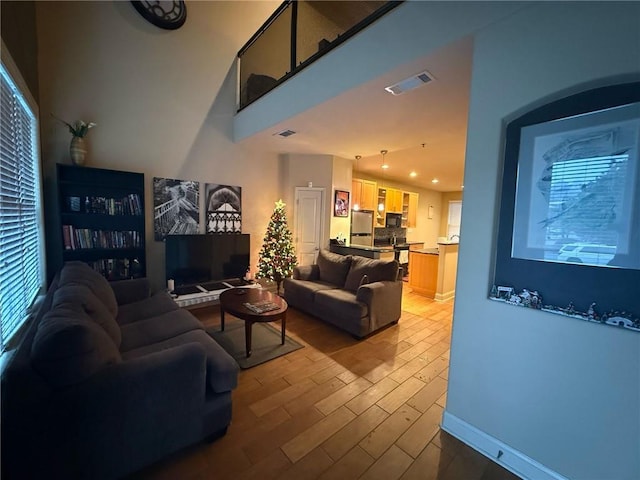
(163, 100)
(564, 392)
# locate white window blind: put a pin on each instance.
(20, 258)
(455, 218)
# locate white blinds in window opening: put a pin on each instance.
(20, 262)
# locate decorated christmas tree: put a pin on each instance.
(277, 255)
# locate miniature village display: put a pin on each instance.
(532, 299)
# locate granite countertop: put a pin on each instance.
(427, 251)
(368, 248)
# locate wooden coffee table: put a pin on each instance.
(232, 300)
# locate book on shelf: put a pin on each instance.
(262, 306)
(82, 238)
(127, 205)
(117, 268)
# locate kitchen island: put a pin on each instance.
(433, 271)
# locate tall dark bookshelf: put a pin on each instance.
(101, 220)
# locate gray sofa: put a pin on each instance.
(109, 379)
(359, 295)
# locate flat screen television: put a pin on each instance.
(197, 259)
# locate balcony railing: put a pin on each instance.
(297, 34)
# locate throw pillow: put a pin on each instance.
(96, 310)
(375, 271)
(82, 274)
(333, 268)
(69, 347)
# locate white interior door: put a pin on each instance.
(309, 213)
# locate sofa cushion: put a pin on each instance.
(342, 303)
(83, 274)
(157, 329)
(157, 304)
(375, 270)
(222, 369)
(333, 268)
(95, 309)
(302, 292)
(69, 347)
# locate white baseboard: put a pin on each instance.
(443, 297)
(511, 459)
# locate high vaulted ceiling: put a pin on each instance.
(367, 119)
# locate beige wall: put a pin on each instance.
(297, 171)
(163, 100)
(563, 393)
(18, 27)
(341, 176)
(444, 218)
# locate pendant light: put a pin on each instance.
(356, 206)
(384, 167)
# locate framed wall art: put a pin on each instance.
(569, 225)
(224, 208)
(175, 207)
(341, 204)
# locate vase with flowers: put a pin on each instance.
(78, 148)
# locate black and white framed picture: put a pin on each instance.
(569, 224)
(576, 189)
(224, 208)
(175, 207)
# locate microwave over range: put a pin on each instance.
(393, 220)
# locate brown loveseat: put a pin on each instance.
(109, 379)
(359, 295)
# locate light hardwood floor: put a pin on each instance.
(342, 409)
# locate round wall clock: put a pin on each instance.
(169, 15)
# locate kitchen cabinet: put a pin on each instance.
(368, 198)
(394, 200)
(391, 198)
(363, 193)
(381, 212)
(409, 209)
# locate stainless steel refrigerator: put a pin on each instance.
(362, 227)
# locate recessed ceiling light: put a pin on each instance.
(435, 180)
(385, 166)
(413, 174)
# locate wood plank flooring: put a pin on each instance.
(342, 409)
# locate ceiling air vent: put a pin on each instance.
(410, 83)
(285, 133)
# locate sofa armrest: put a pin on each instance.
(131, 413)
(384, 300)
(306, 272)
(131, 290)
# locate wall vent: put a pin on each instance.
(410, 83)
(285, 133)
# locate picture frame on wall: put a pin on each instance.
(341, 204)
(223, 208)
(569, 228)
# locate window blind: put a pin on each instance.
(586, 197)
(20, 258)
